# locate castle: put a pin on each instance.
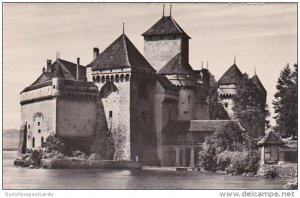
(153, 108)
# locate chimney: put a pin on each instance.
(49, 62)
(95, 53)
(77, 68)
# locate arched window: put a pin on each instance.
(107, 89)
(117, 78)
(33, 142)
(112, 79)
(107, 78)
(42, 139)
(103, 79)
(98, 79)
(122, 78)
(127, 77)
(94, 78)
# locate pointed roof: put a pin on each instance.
(61, 68)
(258, 83)
(232, 76)
(120, 54)
(177, 65)
(269, 138)
(166, 25)
(58, 73)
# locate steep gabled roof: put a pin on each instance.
(199, 125)
(69, 68)
(120, 54)
(270, 138)
(62, 69)
(177, 65)
(232, 76)
(166, 25)
(258, 83)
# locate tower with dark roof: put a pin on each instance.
(126, 83)
(227, 87)
(163, 41)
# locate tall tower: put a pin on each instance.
(163, 41)
(127, 88)
(227, 87)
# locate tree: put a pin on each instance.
(286, 102)
(228, 137)
(250, 107)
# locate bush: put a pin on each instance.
(36, 157)
(238, 162)
(54, 144)
(79, 154)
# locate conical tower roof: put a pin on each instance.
(232, 76)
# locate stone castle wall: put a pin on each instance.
(142, 121)
(186, 104)
(117, 116)
(43, 111)
(75, 117)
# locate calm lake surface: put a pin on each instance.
(24, 178)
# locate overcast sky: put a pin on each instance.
(260, 35)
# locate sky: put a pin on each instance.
(262, 36)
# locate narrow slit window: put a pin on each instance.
(110, 114)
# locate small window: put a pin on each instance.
(42, 139)
(267, 153)
(110, 114)
(189, 98)
(185, 112)
(28, 136)
(226, 104)
(74, 126)
(28, 126)
(39, 131)
(39, 124)
(33, 142)
(53, 86)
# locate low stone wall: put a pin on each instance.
(88, 164)
(282, 170)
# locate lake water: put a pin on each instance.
(25, 178)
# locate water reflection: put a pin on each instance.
(24, 178)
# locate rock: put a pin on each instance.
(31, 166)
(291, 186)
(244, 174)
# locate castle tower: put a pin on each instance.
(227, 87)
(181, 74)
(127, 90)
(163, 41)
